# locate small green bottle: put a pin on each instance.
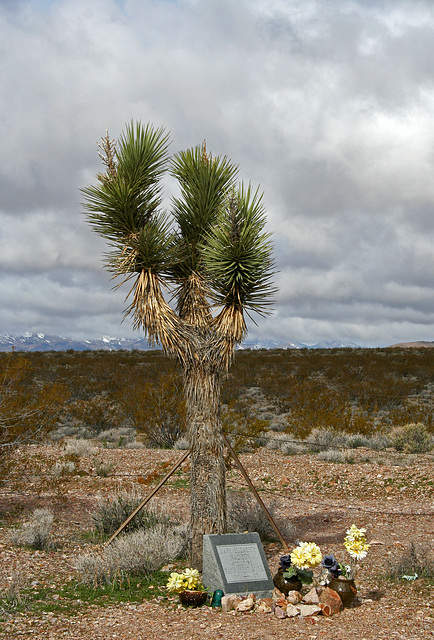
(217, 598)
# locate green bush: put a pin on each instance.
(411, 438)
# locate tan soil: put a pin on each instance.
(388, 493)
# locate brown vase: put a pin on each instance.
(285, 585)
(193, 598)
(345, 588)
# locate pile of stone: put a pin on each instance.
(326, 603)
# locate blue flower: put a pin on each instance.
(332, 565)
(285, 562)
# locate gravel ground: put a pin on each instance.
(390, 494)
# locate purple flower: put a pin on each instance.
(332, 565)
(285, 562)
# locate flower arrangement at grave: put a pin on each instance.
(187, 585)
(356, 547)
(186, 581)
(297, 567)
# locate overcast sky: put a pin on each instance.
(328, 105)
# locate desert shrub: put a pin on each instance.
(411, 438)
(416, 562)
(79, 447)
(136, 444)
(63, 468)
(245, 514)
(103, 469)
(323, 439)
(182, 444)
(376, 442)
(156, 408)
(96, 412)
(336, 456)
(284, 443)
(137, 553)
(28, 406)
(118, 437)
(36, 532)
(12, 596)
(111, 512)
(243, 422)
(292, 448)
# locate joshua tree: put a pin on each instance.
(213, 258)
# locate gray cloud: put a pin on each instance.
(327, 104)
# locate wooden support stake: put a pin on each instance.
(255, 493)
(148, 497)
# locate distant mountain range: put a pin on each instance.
(43, 342)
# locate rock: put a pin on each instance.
(234, 600)
(280, 613)
(326, 609)
(330, 597)
(292, 611)
(308, 609)
(264, 607)
(282, 603)
(293, 597)
(276, 595)
(245, 605)
(226, 604)
(311, 597)
(268, 601)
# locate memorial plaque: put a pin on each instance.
(236, 563)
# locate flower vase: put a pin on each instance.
(193, 598)
(285, 585)
(346, 588)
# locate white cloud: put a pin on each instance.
(327, 103)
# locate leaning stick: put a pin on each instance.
(148, 497)
(255, 493)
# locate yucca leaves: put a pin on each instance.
(237, 254)
(212, 249)
(204, 183)
(120, 205)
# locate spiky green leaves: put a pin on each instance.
(204, 183)
(149, 249)
(237, 254)
(216, 251)
(129, 195)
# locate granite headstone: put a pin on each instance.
(236, 563)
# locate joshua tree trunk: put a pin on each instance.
(208, 496)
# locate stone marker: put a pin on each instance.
(236, 563)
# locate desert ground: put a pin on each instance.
(389, 493)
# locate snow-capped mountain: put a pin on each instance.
(43, 342)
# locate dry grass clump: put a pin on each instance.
(80, 448)
(63, 468)
(245, 514)
(36, 532)
(336, 456)
(137, 553)
(111, 512)
(117, 437)
(416, 562)
(11, 597)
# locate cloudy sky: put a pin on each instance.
(328, 105)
